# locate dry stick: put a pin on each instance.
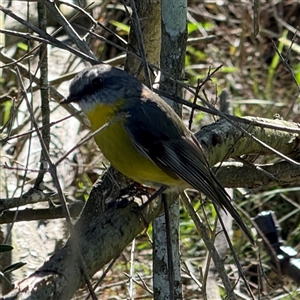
(209, 244)
(270, 248)
(285, 62)
(28, 55)
(16, 136)
(256, 7)
(252, 136)
(53, 172)
(237, 262)
(131, 274)
(225, 233)
(117, 118)
(15, 216)
(82, 10)
(210, 287)
(60, 18)
(232, 120)
(199, 86)
(193, 277)
(7, 167)
(32, 196)
(45, 95)
(177, 99)
(52, 41)
(143, 284)
(101, 38)
(38, 46)
(43, 36)
(169, 247)
(216, 112)
(290, 214)
(103, 275)
(54, 93)
(138, 32)
(28, 214)
(114, 35)
(62, 158)
(15, 213)
(14, 111)
(12, 115)
(104, 27)
(194, 102)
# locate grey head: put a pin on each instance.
(102, 84)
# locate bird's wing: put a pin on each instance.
(165, 140)
(150, 124)
(158, 133)
(186, 159)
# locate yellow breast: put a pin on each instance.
(116, 146)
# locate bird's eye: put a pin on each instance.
(97, 83)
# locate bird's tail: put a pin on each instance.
(224, 201)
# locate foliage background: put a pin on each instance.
(258, 81)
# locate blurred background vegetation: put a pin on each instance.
(261, 75)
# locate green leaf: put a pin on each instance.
(195, 26)
(7, 109)
(229, 69)
(290, 44)
(297, 73)
(22, 46)
(120, 26)
(274, 64)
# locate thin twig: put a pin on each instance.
(139, 37)
(261, 143)
(131, 292)
(54, 93)
(45, 94)
(209, 245)
(216, 112)
(117, 118)
(60, 18)
(285, 62)
(29, 214)
(17, 136)
(28, 54)
(53, 172)
(170, 270)
(47, 38)
(103, 275)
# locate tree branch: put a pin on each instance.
(222, 140)
(103, 232)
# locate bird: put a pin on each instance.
(142, 136)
